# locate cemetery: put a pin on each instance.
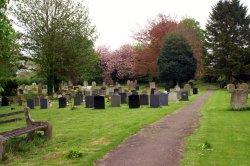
(175, 93)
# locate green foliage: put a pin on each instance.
(227, 40)
(9, 86)
(9, 51)
(74, 154)
(59, 37)
(176, 62)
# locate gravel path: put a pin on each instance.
(161, 143)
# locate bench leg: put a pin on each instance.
(48, 132)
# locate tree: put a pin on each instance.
(59, 37)
(176, 62)
(227, 40)
(151, 40)
(9, 50)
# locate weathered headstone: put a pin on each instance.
(123, 98)
(177, 88)
(85, 83)
(144, 99)
(99, 102)
(154, 101)
(134, 101)
(5, 101)
(115, 100)
(37, 101)
(244, 86)
(152, 85)
(184, 95)
(239, 99)
(62, 102)
(94, 84)
(89, 101)
(31, 103)
(188, 88)
(164, 99)
(230, 87)
(44, 103)
(173, 96)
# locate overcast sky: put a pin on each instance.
(116, 19)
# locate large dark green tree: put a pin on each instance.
(9, 51)
(227, 40)
(176, 61)
(59, 37)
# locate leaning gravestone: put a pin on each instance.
(5, 101)
(239, 99)
(123, 98)
(134, 101)
(230, 87)
(31, 103)
(184, 95)
(89, 101)
(62, 102)
(154, 101)
(164, 99)
(143, 99)
(115, 100)
(99, 102)
(44, 103)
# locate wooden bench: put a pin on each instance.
(30, 128)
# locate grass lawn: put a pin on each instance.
(223, 138)
(90, 132)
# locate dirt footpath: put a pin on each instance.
(161, 143)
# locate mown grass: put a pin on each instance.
(82, 136)
(223, 138)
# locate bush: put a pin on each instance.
(9, 86)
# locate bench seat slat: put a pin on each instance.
(20, 131)
(11, 120)
(12, 113)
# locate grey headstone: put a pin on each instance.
(239, 99)
(144, 99)
(31, 103)
(89, 101)
(115, 101)
(164, 99)
(77, 100)
(154, 101)
(123, 98)
(44, 103)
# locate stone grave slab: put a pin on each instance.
(144, 99)
(89, 101)
(31, 103)
(62, 102)
(115, 100)
(164, 99)
(99, 102)
(134, 101)
(44, 103)
(154, 101)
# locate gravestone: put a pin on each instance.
(99, 102)
(144, 99)
(40, 89)
(187, 88)
(94, 92)
(184, 95)
(177, 88)
(37, 101)
(94, 84)
(244, 86)
(154, 101)
(31, 103)
(89, 101)
(123, 98)
(62, 102)
(164, 99)
(173, 96)
(88, 92)
(152, 85)
(230, 87)
(134, 101)
(239, 99)
(115, 100)
(85, 83)
(5, 101)
(44, 103)
(195, 91)
(77, 100)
